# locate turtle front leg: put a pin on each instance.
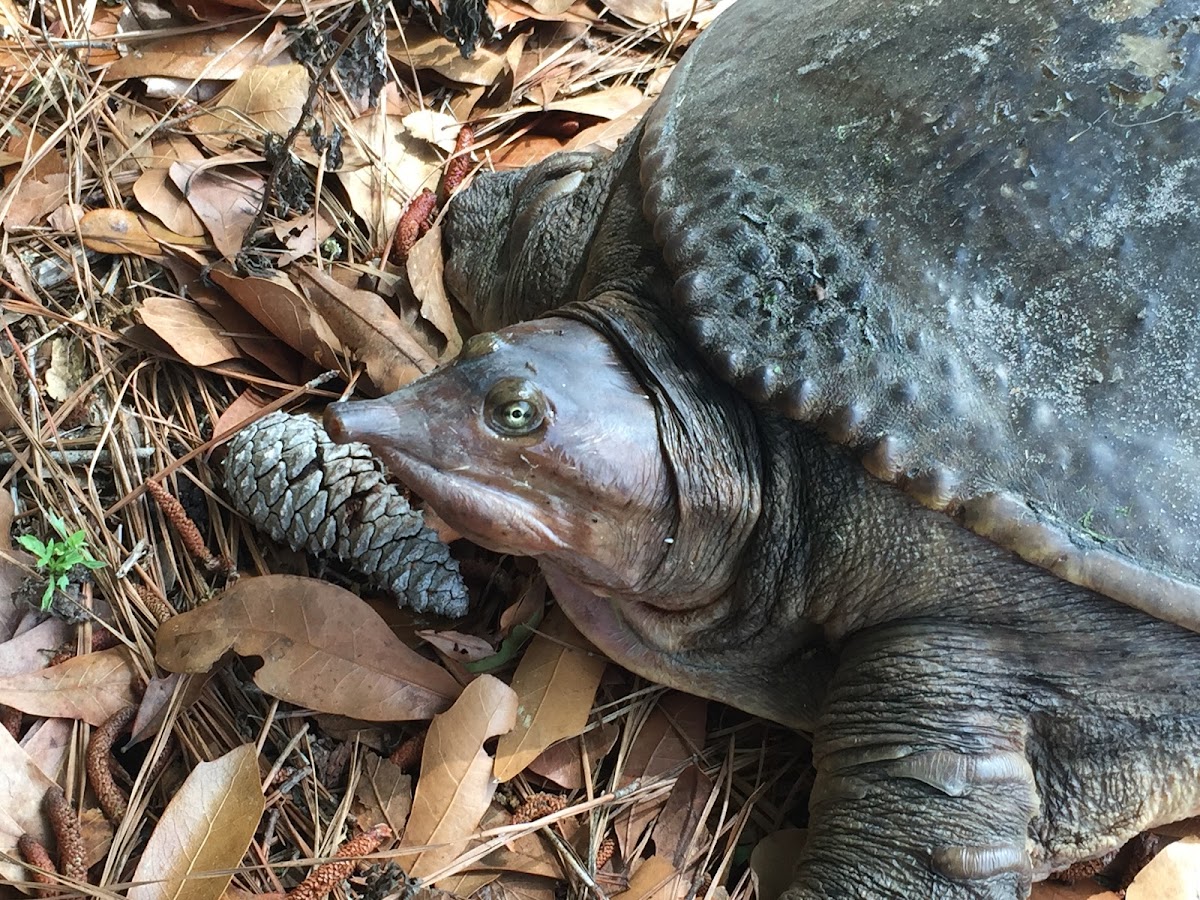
(923, 786)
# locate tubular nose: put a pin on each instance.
(356, 420)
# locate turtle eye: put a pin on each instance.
(514, 408)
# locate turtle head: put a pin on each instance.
(516, 241)
(538, 442)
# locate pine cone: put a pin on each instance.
(286, 476)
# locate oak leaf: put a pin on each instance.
(322, 647)
(555, 682)
(457, 782)
(90, 687)
(206, 828)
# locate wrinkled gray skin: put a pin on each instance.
(999, 309)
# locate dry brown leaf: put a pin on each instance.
(682, 816)
(48, 743)
(425, 265)
(22, 785)
(192, 333)
(365, 325)
(27, 651)
(456, 783)
(457, 646)
(773, 861)
(160, 198)
(247, 332)
(207, 827)
(224, 197)
(609, 103)
(120, 231)
(607, 134)
(264, 99)
(562, 762)
(302, 234)
(383, 793)
(555, 682)
(652, 12)
(200, 54)
(655, 879)
(529, 854)
(321, 646)
(551, 7)
(420, 48)
(433, 127)
(669, 737)
(1174, 874)
(245, 408)
(385, 167)
(30, 200)
(90, 687)
(280, 308)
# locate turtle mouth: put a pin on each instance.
(486, 514)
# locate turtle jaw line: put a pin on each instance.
(474, 507)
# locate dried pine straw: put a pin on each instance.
(94, 407)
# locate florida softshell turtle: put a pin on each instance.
(859, 388)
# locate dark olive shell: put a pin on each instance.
(963, 238)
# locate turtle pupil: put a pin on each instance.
(515, 408)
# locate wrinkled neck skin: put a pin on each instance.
(698, 620)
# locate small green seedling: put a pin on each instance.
(56, 559)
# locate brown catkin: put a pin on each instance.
(414, 222)
(326, 877)
(67, 832)
(154, 603)
(35, 854)
(407, 755)
(460, 161)
(605, 851)
(538, 805)
(100, 762)
(174, 513)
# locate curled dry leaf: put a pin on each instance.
(224, 197)
(683, 816)
(563, 762)
(555, 682)
(420, 48)
(281, 309)
(322, 647)
(207, 827)
(653, 12)
(433, 127)
(669, 736)
(264, 99)
(122, 232)
(456, 783)
(654, 879)
(364, 324)
(90, 687)
(22, 785)
(425, 264)
(192, 333)
(196, 54)
(27, 651)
